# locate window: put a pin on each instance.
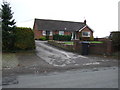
(51, 33)
(61, 32)
(85, 34)
(44, 33)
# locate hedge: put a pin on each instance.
(42, 38)
(62, 37)
(24, 39)
(115, 37)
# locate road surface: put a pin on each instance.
(102, 78)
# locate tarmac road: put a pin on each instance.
(102, 78)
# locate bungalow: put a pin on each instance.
(78, 30)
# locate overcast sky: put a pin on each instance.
(101, 15)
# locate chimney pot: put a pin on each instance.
(85, 21)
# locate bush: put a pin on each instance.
(42, 38)
(115, 37)
(91, 38)
(24, 39)
(62, 37)
(8, 40)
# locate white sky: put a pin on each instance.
(101, 15)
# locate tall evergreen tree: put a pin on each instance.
(8, 27)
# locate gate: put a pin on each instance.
(85, 48)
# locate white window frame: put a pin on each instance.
(85, 35)
(51, 33)
(44, 33)
(61, 32)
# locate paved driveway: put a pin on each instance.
(61, 58)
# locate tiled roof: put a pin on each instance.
(45, 24)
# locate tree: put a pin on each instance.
(7, 23)
(8, 27)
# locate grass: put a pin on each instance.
(96, 42)
(72, 43)
(69, 43)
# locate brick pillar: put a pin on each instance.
(109, 47)
(76, 44)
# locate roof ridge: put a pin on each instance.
(58, 20)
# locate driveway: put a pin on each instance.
(61, 58)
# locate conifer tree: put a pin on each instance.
(8, 27)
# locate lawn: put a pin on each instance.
(72, 43)
(96, 42)
(69, 42)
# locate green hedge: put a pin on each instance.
(115, 37)
(62, 37)
(24, 39)
(42, 38)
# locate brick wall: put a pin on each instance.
(86, 29)
(95, 48)
(61, 45)
(38, 33)
(67, 33)
(98, 48)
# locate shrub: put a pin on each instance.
(115, 37)
(91, 38)
(56, 37)
(62, 37)
(42, 38)
(24, 39)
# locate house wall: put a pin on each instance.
(55, 32)
(67, 33)
(37, 33)
(86, 29)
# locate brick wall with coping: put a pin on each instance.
(61, 45)
(104, 48)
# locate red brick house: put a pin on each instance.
(77, 30)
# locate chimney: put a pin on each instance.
(85, 21)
